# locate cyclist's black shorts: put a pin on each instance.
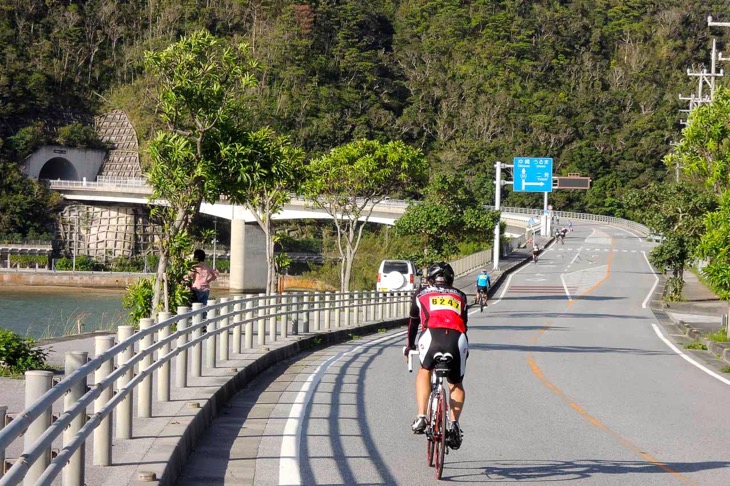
(439, 340)
(482, 288)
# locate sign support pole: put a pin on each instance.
(545, 228)
(497, 202)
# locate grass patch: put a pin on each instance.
(382, 331)
(354, 336)
(719, 336)
(696, 345)
(726, 369)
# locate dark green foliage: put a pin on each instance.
(18, 355)
(83, 264)
(79, 136)
(29, 261)
(591, 83)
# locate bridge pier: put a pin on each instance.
(248, 257)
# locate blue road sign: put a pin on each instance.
(533, 174)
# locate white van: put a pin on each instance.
(397, 275)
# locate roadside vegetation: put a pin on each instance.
(19, 354)
(254, 100)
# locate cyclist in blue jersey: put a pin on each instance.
(484, 280)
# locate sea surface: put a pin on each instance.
(45, 312)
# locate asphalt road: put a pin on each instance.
(567, 380)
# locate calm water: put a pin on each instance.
(42, 312)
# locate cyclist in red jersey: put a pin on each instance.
(441, 311)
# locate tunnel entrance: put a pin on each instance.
(59, 168)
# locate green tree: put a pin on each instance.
(282, 174)
(349, 181)
(704, 155)
(201, 82)
(715, 247)
(449, 214)
(676, 211)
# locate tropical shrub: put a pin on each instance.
(18, 354)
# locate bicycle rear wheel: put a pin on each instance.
(481, 302)
(429, 431)
(439, 435)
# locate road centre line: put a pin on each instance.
(687, 358)
(592, 420)
(289, 468)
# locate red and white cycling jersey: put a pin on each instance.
(437, 306)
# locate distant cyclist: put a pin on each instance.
(441, 311)
(535, 252)
(484, 281)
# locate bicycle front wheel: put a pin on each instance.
(439, 435)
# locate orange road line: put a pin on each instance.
(588, 417)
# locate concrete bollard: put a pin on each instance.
(261, 322)
(103, 432)
(124, 409)
(3, 413)
(285, 308)
(163, 372)
(337, 306)
(73, 473)
(211, 337)
(271, 311)
(249, 322)
(144, 389)
(379, 306)
(327, 310)
(196, 356)
(237, 318)
(305, 312)
(223, 336)
(348, 301)
(36, 384)
(291, 309)
(181, 364)
(317, 312)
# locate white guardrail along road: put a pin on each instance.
(186, 343)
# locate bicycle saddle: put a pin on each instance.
(443, 363)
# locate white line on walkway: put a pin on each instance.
(656, 281)
(576, 256)
(289, 470)
(687, 358)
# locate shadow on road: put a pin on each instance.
(528, 471)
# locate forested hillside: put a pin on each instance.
(592, 83)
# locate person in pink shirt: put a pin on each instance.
(201, 276)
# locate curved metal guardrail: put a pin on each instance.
(640, 228)
(189, 339)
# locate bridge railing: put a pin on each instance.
(639, 228)
(181, 345)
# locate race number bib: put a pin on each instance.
(445, 303)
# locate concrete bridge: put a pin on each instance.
(248, 267)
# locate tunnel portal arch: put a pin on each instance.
(59, 168)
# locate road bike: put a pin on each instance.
(534, 256)
(482, 299)
(437, 415)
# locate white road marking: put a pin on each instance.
(576, 256)
(506, 285)
(627, 231)
(289, 470)
(565, 286)
(687, 358)
(656, 281)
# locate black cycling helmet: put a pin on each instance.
(441, 270)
